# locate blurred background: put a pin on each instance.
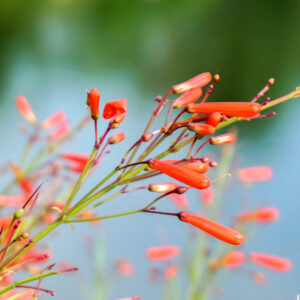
(52, 51)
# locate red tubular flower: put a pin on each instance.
(162, 187)
(61, 132)
(222, 139)
(187, 98)
(75, 157)
(196, 166)
(267, 214)
(272, 262)
(261, 215)
(115, 108)
(233, 259)
(161, 253)
(181, 174)
(12, 200)
(54, 120)
(25, 109)
(196, 82)
(219, 231)
(214, 119)
(117, 138)
(231, 109)
(92, 101)
(202, 129)
(258, 173)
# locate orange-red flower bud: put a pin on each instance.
(61, 132)
(196, 166)
(25, 109)
(261, 215)
(54, 120)
(257, 173)
(219, 231)
(160, 253)
(272, 262)
(214, 119)
(162, 187)
(114, 108)
(92, 101)
(202, 129)
(75, 157)
(226, 138)
(181, 174)
(117, 120)
(117, 138)
(187, 98)
(193, 83)
(233, 259)
(231, 109)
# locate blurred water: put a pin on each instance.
(56, 50)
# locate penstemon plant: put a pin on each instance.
(194, 127)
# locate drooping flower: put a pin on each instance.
(233, 259)
(25, 109)
(214, 119)
(54, 120)
(196, 82)
(12, 200)
(255, 174)
(75, 157)
(202, 129)
(160, 253)
(61, 132)
(275, 263)
(115, 108)
(92, 101)
(261, 215)
(217, 230)
(196, 166)
(230, 109)
(181, 174)
(187, 98)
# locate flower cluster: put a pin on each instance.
(194, 127)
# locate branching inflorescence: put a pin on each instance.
(193, 128)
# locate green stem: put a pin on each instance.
(79, 181)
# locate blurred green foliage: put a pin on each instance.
(161, 42)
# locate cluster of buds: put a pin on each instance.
(194, 123)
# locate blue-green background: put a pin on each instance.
(52, 51)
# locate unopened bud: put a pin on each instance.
(19, 213)
(163, 187)
(181, 189)
(117, 138)
(226, 138)
(271, 81)
(213, 164)
(147, 136)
